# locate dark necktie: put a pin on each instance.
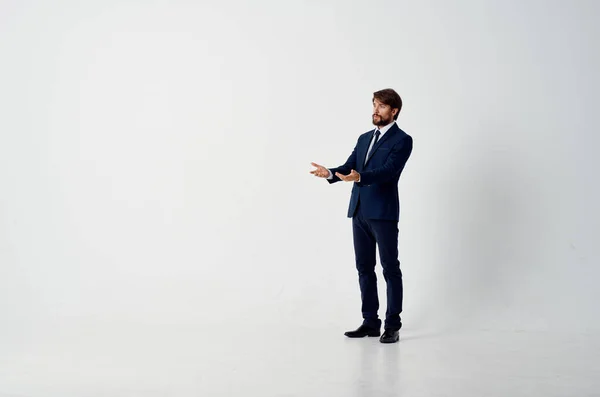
(377, 133)
(376, 136)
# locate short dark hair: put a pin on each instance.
(389, 97)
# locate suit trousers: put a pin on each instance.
(367, 234)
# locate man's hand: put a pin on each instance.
(321, 171)
(353, 176)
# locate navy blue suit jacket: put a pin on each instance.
(378, 186)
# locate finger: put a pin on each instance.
(317, 165)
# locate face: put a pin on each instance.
(382, 114)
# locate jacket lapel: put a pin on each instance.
(363, 151)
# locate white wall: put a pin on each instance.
(155, 157)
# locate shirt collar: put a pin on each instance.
(384, 129)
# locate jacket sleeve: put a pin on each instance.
(394, 164)
(344, 169)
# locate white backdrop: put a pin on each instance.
(155, 158)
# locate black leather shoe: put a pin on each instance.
(363, 331)
(390, 336)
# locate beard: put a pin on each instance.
(380, 121)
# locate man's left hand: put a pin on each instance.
(353, 176)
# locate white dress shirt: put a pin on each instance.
(382, 130)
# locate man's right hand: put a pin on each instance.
(321, 171)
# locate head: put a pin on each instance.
(386, 107)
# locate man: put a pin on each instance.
(375, 166)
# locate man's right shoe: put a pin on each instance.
(363, 331)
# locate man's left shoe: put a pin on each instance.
(390, 336)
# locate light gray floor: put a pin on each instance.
(79, 360)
